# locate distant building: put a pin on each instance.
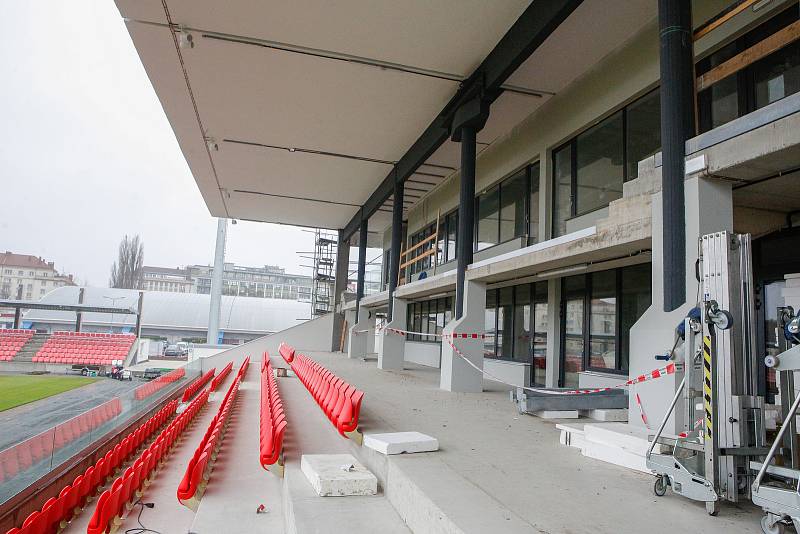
(269, 281)
(167, 279)
(26, 277)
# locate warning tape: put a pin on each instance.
(668, 369)
(641, 411)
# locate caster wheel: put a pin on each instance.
(660, 486)
(712, 508)
(767, 527)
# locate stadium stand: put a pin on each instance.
(197, 385)
(286, 352)
(273, 421)
(84, 348)
(198, 471)
(57, 512)
(11, 340)
(115, 502)
(28, 453)
(221, 376)
(340, 401)
(150, 388)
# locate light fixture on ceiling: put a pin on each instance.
(185, 39)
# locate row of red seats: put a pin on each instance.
(41, 447)
(195, 479)
(243, 368)
(108, 335)
(58, 511)
(114, 503)
(198, 384)
(145, 390)
(340, 401)
(11, 340)
(221, 376)
(273, 421)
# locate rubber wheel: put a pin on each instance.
(712, 508)
(777, 528)
(660, 486)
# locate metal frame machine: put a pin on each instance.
(721, 411)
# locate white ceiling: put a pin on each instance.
(303, 130)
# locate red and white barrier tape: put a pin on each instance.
(641, 410)
(696, 426)
(652, 375)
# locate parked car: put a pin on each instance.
(178, 349)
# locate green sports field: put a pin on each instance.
(16, 390)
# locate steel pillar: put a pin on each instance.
(79, 315)
(339, 287)
(17, 315)
(362, 265)
(212, 337)
(466, 214)
(139, 307)
(677, 125)
(394, 254)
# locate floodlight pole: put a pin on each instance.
(216, 283)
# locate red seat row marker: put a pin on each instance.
(273, 421)
(58, 511)
(198, 471)
(114, 503)
(221, 376)
(340, 401)
(197, 385)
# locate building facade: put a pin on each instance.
(27, 277)
(269, 281)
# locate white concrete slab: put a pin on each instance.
(401, 442)
(338, 475)
(607, 415)
(557, 414)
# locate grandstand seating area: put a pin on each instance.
(58, 511)
(273, 421)
(85, 348)
(40, 447)
(198, 471)
(340, 401)
(115, 502)
(150, 388)
(198, 384)
(11, 340)
(221, 376)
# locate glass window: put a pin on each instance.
(642, 131)
(488, 218)
(533, 208)
(505, 334)
(431, 320)
(490, 323)
(539, 324)
(599, 165)
(562, 197)
(635, 298)
(573, 321)
(512, 206)
(441, 306)
(777, 76)
(522, 324)
(452, 232)
(603, 321)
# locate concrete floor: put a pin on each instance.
(495, 461)
(22, 422)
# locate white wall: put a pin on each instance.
(423, 353)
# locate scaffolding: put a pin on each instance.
(324, 272)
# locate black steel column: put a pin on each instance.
(17, 314)
(79, 319)
(362, 265)
(397, 234)
(466, 214)
(677, 125)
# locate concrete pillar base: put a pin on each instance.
(361, 336)
(391, 353)
(457, 374)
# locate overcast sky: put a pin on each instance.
(87, 154)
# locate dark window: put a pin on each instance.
(522, 323)
(533, 204)
(505, 334)
(428, 318)
(488, 218)
(490, 324)
(574, 295)
(451, 221)
(512, 206)
(589, 170)
(635, 298)
(763, 82)
(539, 321)
(603, 321)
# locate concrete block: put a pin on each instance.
(328, 477)
(571, 435)
(557, 414)
(607, 415)
(401, 442)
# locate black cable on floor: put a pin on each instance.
(142, 529)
